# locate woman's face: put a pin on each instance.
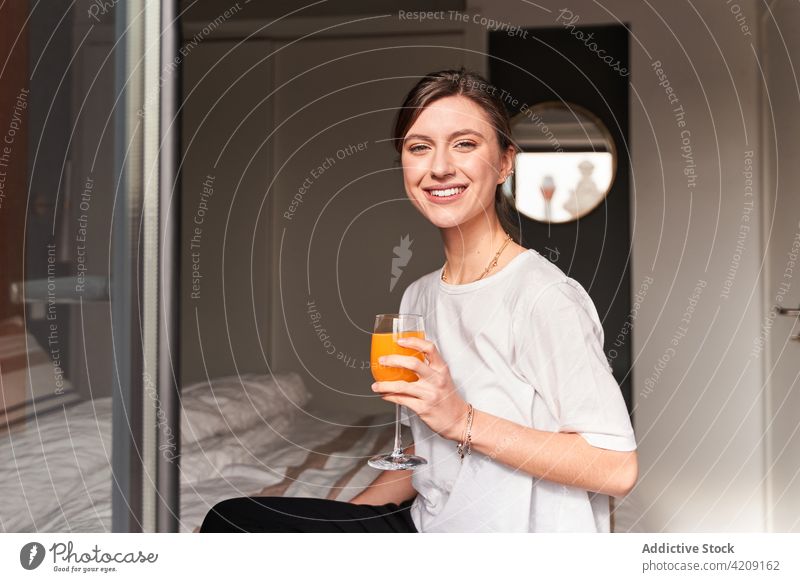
(452, 162)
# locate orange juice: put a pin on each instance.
(383, 344)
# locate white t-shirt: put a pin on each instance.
(524, 344)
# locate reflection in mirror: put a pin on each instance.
(567, 163)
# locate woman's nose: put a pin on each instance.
(442, 163)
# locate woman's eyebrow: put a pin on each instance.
(451, 136)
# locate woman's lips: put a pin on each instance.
(445, 199)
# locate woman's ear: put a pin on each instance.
(506, 163)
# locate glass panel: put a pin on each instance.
(57, 379)
(72, 208)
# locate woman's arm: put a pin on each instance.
(389, 487)
(562, 457)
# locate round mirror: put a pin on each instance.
(567, 163)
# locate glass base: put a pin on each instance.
(392, 462)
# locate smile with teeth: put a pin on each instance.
(446, 193)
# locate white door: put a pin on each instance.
(780, 332)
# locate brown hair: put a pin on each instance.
(452, 82)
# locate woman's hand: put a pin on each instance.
(433, 396)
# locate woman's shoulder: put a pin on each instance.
(540, 278)
(536, 273)
(416, 290)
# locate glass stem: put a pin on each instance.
(398, 451)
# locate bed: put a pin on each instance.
(245, 435)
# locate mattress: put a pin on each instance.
(57, 474)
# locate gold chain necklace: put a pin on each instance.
(492, 264)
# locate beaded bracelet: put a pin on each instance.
(466, 436)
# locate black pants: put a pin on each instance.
(306, 514)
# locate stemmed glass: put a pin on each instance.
(389, 327)
(548, 188)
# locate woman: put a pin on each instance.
(516, 409)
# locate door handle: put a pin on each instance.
(790, 313)
(92, 288)
(787, 311)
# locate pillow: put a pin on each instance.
(231, 404)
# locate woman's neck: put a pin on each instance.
(470, 248)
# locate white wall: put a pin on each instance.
(699, 425)
(225, 285)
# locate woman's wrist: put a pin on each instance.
(456, 429)
(464, 446)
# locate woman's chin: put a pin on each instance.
(455, 220)
(446, 222)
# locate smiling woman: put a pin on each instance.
(480, 143)
(514, 407)
(515, 368)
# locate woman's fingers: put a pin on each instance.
(425, 346)
(398, 387)
(408, 362)
(411, 403)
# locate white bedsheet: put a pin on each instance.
(56, 474)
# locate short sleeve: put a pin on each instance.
(559, 351)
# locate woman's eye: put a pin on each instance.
(465, 144)
(416, 148)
